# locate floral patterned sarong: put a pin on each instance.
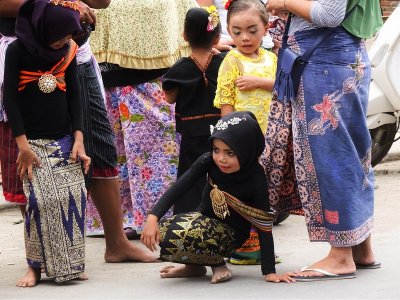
(318, 148)
(147, 149)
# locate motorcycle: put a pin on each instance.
(384, 97)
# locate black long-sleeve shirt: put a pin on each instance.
(251, 190)
(36, 114)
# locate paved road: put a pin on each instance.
(141, 281)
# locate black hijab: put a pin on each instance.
(242, 133)
(43, 22)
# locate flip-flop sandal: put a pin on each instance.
(325, 275)
(375, 265)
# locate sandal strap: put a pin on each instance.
(304, 269)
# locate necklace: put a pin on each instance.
(202, 69)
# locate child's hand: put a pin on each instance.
(273, 277)
(26, 159)
(245, 83)
(151, 233)
(78, 150)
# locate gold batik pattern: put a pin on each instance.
(55, 215)
(191, 238)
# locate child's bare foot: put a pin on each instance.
(83, 277)
(30, 279)
(129, 252)
(221, 274)
(183, 271)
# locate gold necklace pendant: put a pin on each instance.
(47, 83)
(218, 202)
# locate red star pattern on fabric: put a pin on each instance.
(327, 108)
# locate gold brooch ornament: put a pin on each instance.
(47, 83)
(218, 202)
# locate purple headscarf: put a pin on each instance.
(41, 23)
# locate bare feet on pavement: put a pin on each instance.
(221, 274)
(183, 271)
(30, 279)
(129, 252)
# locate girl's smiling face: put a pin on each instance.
(247, 31)
(61, 42)
(224, 157)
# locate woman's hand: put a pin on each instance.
(276, 6)
(273, 277)
(87, 15)
(151, 233)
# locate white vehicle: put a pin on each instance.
(384, 96)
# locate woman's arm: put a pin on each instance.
(323, 13)
(300, 8)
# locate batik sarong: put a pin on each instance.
(318, 148)
(191, 238)
(147, 150)
(55, 215)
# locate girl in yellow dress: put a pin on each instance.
(245, 80)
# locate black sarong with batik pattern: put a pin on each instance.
(192, 238)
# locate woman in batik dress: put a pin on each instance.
(318, 145)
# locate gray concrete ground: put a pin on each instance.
(141, 281)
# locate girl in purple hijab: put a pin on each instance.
(42, 102)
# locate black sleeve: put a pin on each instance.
(10, 91)
(191, 176)
(73, 96)
(173, 78)
(266, 238)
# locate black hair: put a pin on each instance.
(243, 5)
(196, 29)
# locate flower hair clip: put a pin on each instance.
(228, 3)
(70, 4)
(213, 18)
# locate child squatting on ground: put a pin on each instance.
(245, 81)
(41, 99)
(234, 198)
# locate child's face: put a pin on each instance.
(224, 157)
(247, 31)
(61, 42)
